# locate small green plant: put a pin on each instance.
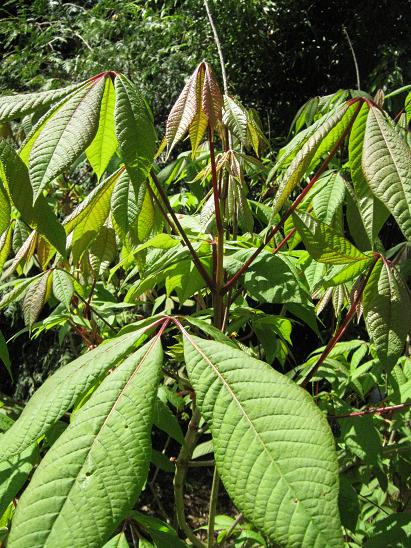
(224, 258)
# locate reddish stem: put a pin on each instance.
(295, 204)
(377, 410)
(341, 330)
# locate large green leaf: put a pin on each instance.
(373, 213)
(60, 392)
(104, 144)
(65, 136)
(387, 310)
(316, 143)
(323, 243)
(134, 129)
(273, 447)
(126, 203)
(93, 474)
(16, 106)
(386, 162)
(41, 217)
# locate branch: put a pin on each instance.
(374, 410)
(196, 260)
(218, 44)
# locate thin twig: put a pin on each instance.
(213, 508)
(218, 44)
(357, 71)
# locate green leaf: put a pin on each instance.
(323, 243)
(302, 161)
(17, 106)
(103, 250)
(95, 471)
(164, 419)
(273, 447)
(5, 209)
(393, 531)
(4, 355)
(134, 130)
(329, 199)
(119, 541)
(90, 215)
(14, 474)
(35, 299)
(65, 136)
(235, 118)
(104, 144)
(184, 278)
(273, 279)
(162, 534)
(387, 310)
(5, 245)
(373, 213)
(61, 391)
(386, 162)
(127, 202)
(342, 274)
(41, 217)
(63, 288)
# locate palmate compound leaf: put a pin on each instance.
(60, 392)
(93, 474)
(273, 447)
(65, 135)
(386, 162)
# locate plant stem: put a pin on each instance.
(218, 303)
(234, 524)
(218, 44)
(163, 213)
(212, 508)
(196, 259)
(294, 205)
(180, 475)
(341, 330)
(357, 71)
(374, 410)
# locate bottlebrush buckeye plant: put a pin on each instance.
(221, 258)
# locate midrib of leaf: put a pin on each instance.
(101, 428)
(105, 138)
(257, 435)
